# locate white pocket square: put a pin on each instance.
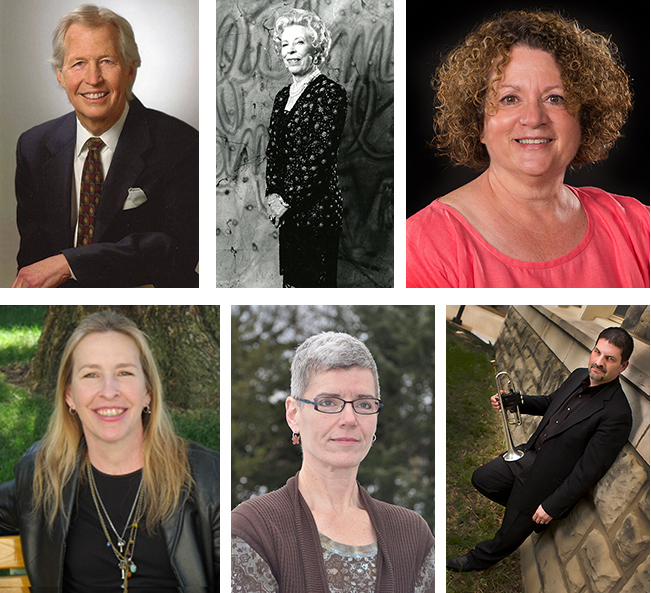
(135, 198)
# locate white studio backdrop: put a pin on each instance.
(167, 34)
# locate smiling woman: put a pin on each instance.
(529, 129)
(109, 393)
(303, 195)
(523, 97)
(105, 498)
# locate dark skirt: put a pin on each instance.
(308, 258)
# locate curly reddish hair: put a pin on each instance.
(596, 85)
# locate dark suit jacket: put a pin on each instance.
(579, 453)
(155, 243)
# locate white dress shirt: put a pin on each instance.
(110, 139)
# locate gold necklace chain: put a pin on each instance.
(125, 559)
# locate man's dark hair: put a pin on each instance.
(619, 337)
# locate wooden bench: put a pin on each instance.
(11, 556)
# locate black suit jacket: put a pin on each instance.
(579, 453)
(155, 243)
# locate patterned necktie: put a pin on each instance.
(92, 180)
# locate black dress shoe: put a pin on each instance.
(458, 564)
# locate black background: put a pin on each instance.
(433, 31)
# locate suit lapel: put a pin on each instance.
(596, 403)
(57, 173)
(126, 166)
(568, 387)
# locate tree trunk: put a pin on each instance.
(183, 338)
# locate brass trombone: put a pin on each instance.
(510, 398)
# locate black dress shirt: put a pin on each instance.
(578, 398)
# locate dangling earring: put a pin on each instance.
(296, 438)
(72, 411)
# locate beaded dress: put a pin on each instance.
(302, 169)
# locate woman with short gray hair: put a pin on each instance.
(322, 532)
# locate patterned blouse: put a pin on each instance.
(302, 169)
(349, 568)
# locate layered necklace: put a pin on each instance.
(124, 546)
(297, 88)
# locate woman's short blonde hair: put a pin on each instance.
(596, 85)
(166, 470)
(319, 36)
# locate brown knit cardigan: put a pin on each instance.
(279, 526)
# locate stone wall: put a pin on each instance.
(637, 321)
(603, 545)
(249, 74)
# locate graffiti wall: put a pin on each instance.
(249, 74)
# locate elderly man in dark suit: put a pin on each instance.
(108, 195)
(584, 425)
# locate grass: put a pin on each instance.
(474, 435)
(24, 417)
(17, 345)
(23, 420)
(20, 328)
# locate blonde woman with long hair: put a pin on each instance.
(112, 498)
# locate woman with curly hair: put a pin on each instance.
(307, 122)
(525, 96)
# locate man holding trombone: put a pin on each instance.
(584, 425)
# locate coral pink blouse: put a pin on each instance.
(444, 250)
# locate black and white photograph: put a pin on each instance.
(305, 128)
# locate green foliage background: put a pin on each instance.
(24, 412)
(23, 418)
(400, 466)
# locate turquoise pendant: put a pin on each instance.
(132, 568)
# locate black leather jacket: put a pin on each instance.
(191, 534)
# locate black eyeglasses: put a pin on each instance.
(333, 405)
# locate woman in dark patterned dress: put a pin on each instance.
(307, 121)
